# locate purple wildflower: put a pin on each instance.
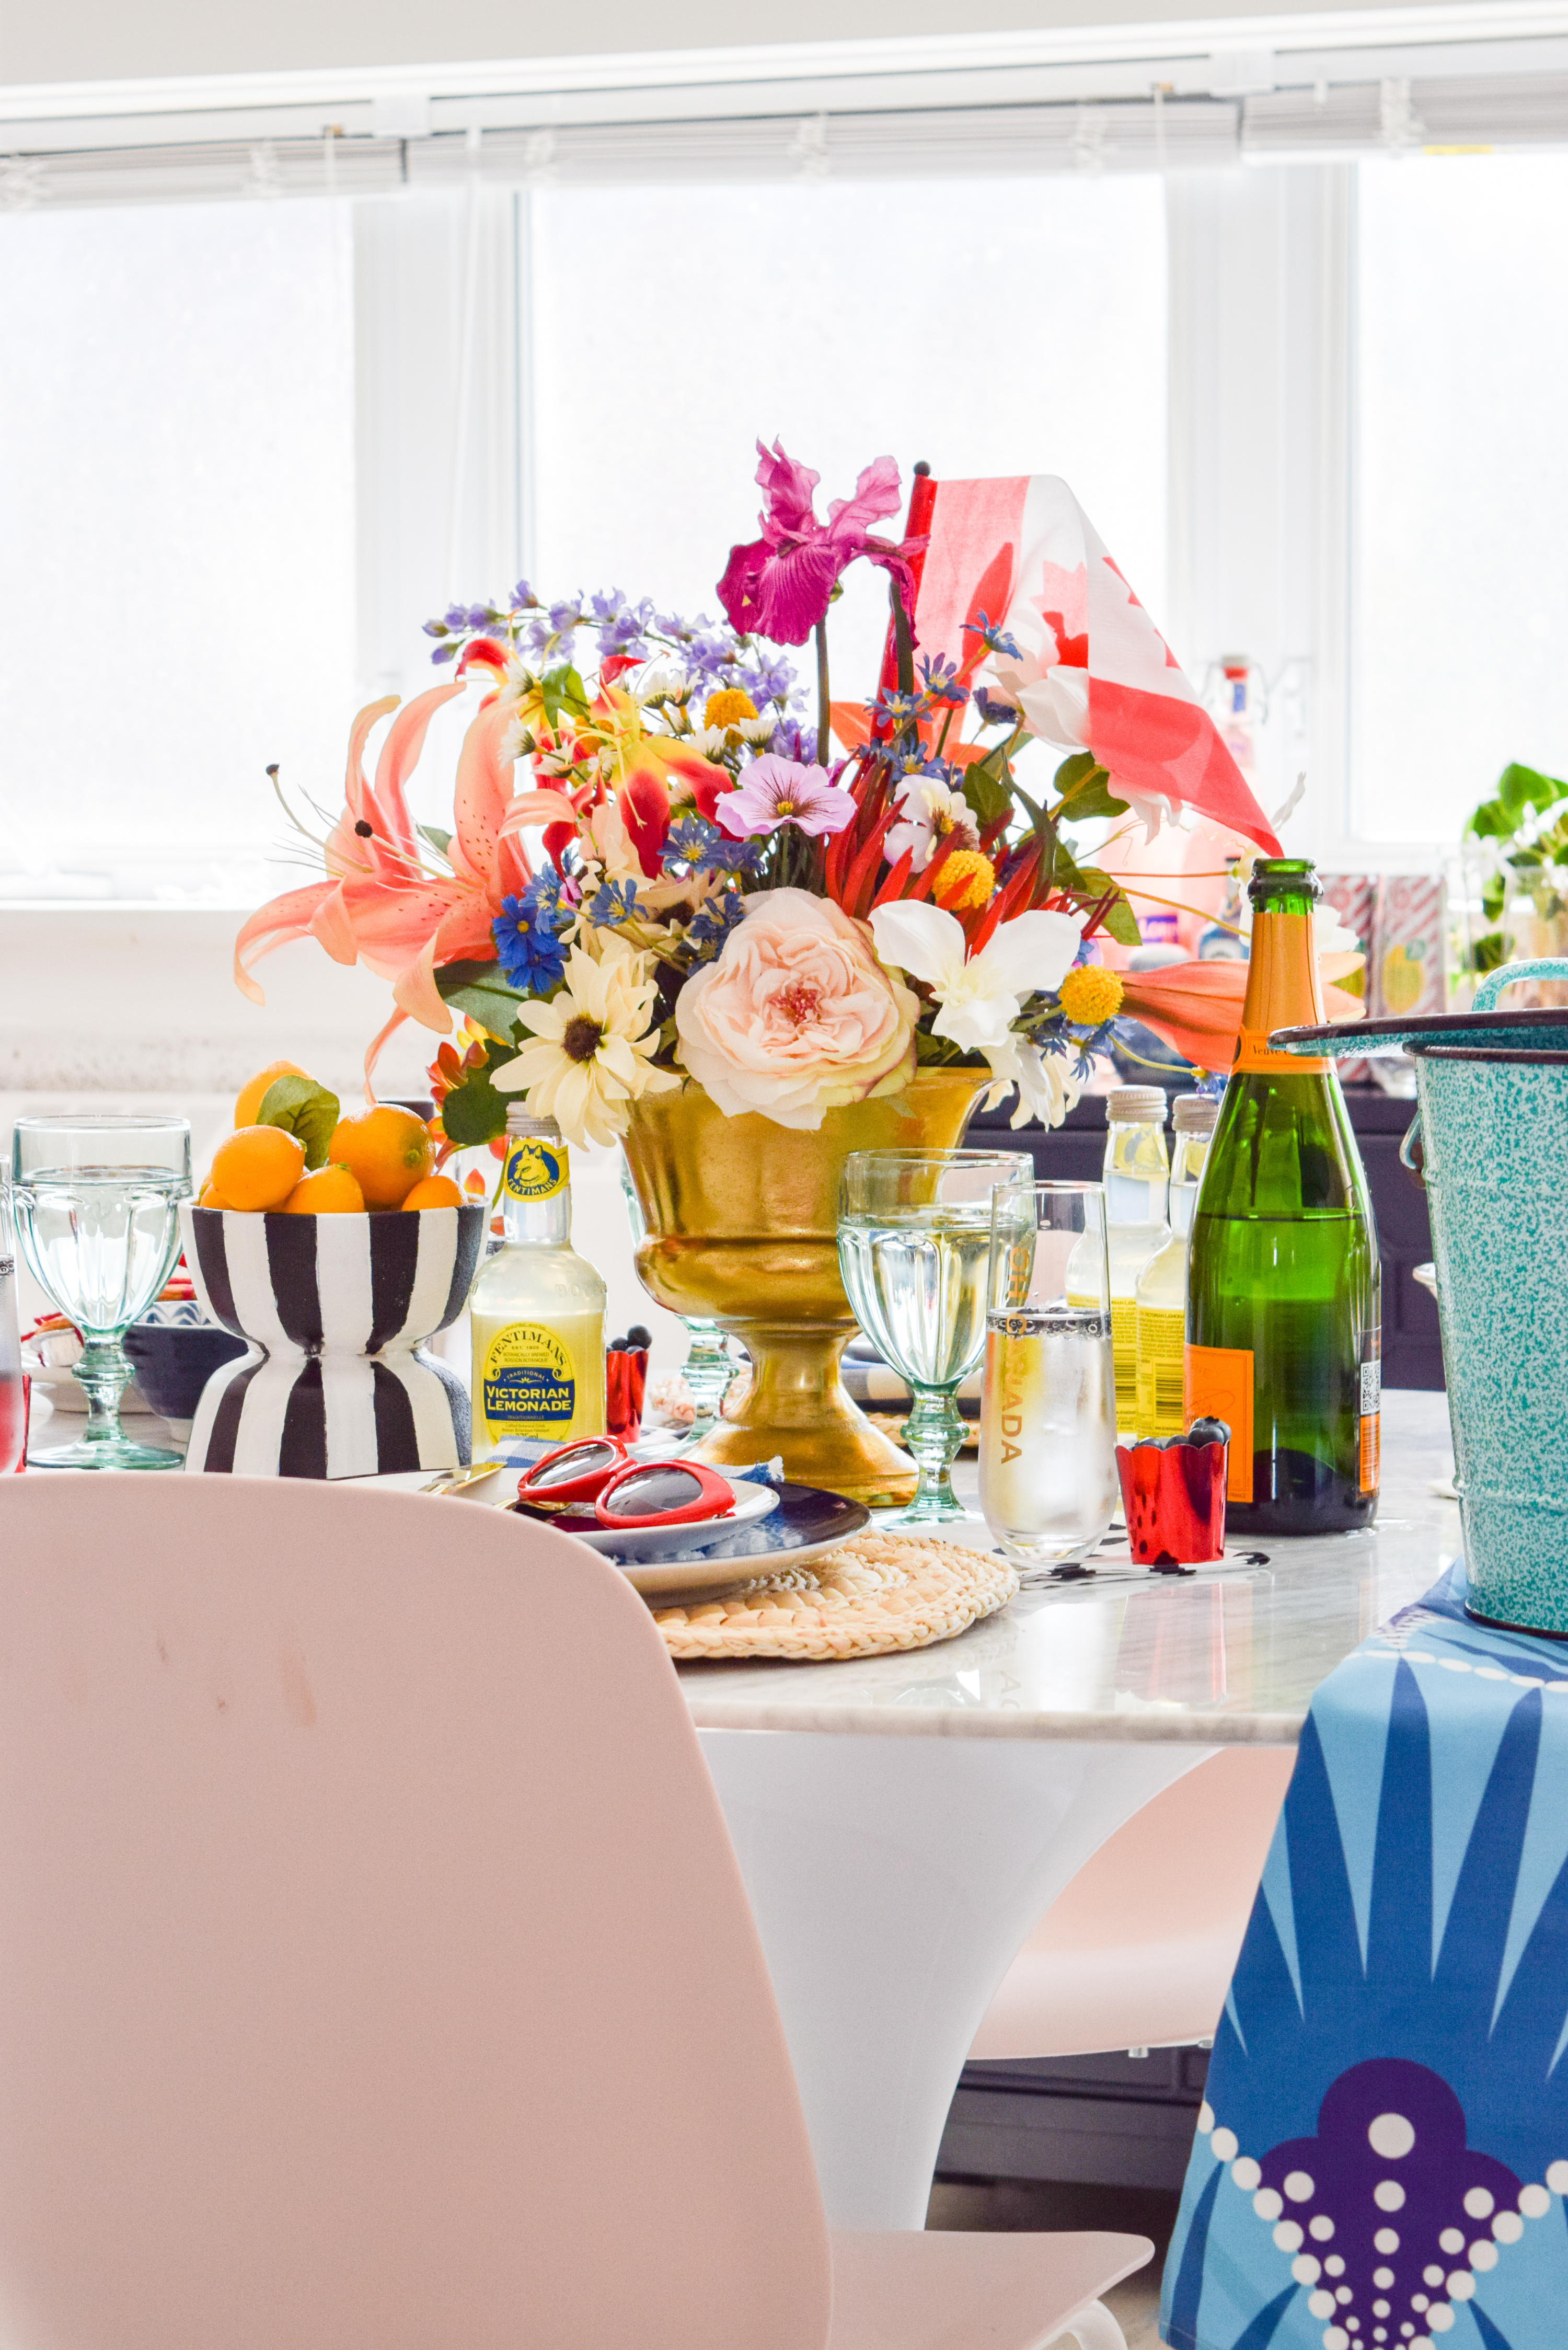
(774, 791)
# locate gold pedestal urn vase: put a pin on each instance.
(743, 1223)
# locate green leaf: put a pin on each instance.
(1520, 791)
(562, 689)
(1519, 787)
(1053, 856)
(473, 1112)
(1121, 922)
(1074, 770)
(1092, 796)
(439, 840)
(987, 788)
(302, 1107)
(478, 989)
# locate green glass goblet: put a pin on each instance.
(914, 1240)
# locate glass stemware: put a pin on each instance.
(13, 1392)
(97, 1202)
(1048, 1408)
(709, 1367)
(914, 1240)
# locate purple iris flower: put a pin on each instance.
(780, 585)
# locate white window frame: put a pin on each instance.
(438, 164)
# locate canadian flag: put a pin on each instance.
(1092, 672)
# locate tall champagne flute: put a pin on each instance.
(96, 1204)
(1048, 1403)
(914, 1239)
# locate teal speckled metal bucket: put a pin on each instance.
(1492, 1149)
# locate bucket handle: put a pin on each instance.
(1413, 1152)
(1492, 985)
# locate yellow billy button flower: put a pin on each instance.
(1089, 994)
(967, 878)
(728, 707)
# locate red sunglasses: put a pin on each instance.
(624, 1491)
(575, 1472)
(663, 1494)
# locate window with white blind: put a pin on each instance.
(281, 379)
(1459, 593)
(176, 539)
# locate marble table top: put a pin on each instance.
(1208, 1659)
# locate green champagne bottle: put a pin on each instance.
(1284, 1317)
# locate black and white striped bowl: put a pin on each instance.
(336, 1308)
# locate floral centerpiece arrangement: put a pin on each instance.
(691, 884)
(672, 910)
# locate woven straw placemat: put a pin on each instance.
(877, 1593)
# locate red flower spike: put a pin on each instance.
(939, 855)
(898, 875)
(862, 873)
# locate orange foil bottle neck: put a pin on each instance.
(1282, 992)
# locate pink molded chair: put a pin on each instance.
(1138, 1951)
(375, 1972)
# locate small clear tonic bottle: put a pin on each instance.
(538, 1307)
(1162, 1283)
(1138, 1175)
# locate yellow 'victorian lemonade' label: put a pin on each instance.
(535, 1170)
(529, 1382)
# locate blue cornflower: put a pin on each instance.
(696, 842)
(992, 711)
(939, 679)
(541, 901)
(715, 923)
(993, 635)
(895, 710)
(435, 627)
(531, 957)
(446, 652)
(615, 902)
(565, 617)
(523, 597)
(690, 839)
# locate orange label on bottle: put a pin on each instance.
(1371, 1428)
(1252, 1052)
(1217, 1384)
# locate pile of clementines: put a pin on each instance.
(291, 1153)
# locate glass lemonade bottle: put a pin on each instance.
(1138, 1175)
(538, 1307)
(1162, 1283)
(1284, 1292)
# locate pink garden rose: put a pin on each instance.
(796, 1015)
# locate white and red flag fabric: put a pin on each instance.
(1091, 670)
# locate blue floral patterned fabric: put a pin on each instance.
(1382, 2160)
